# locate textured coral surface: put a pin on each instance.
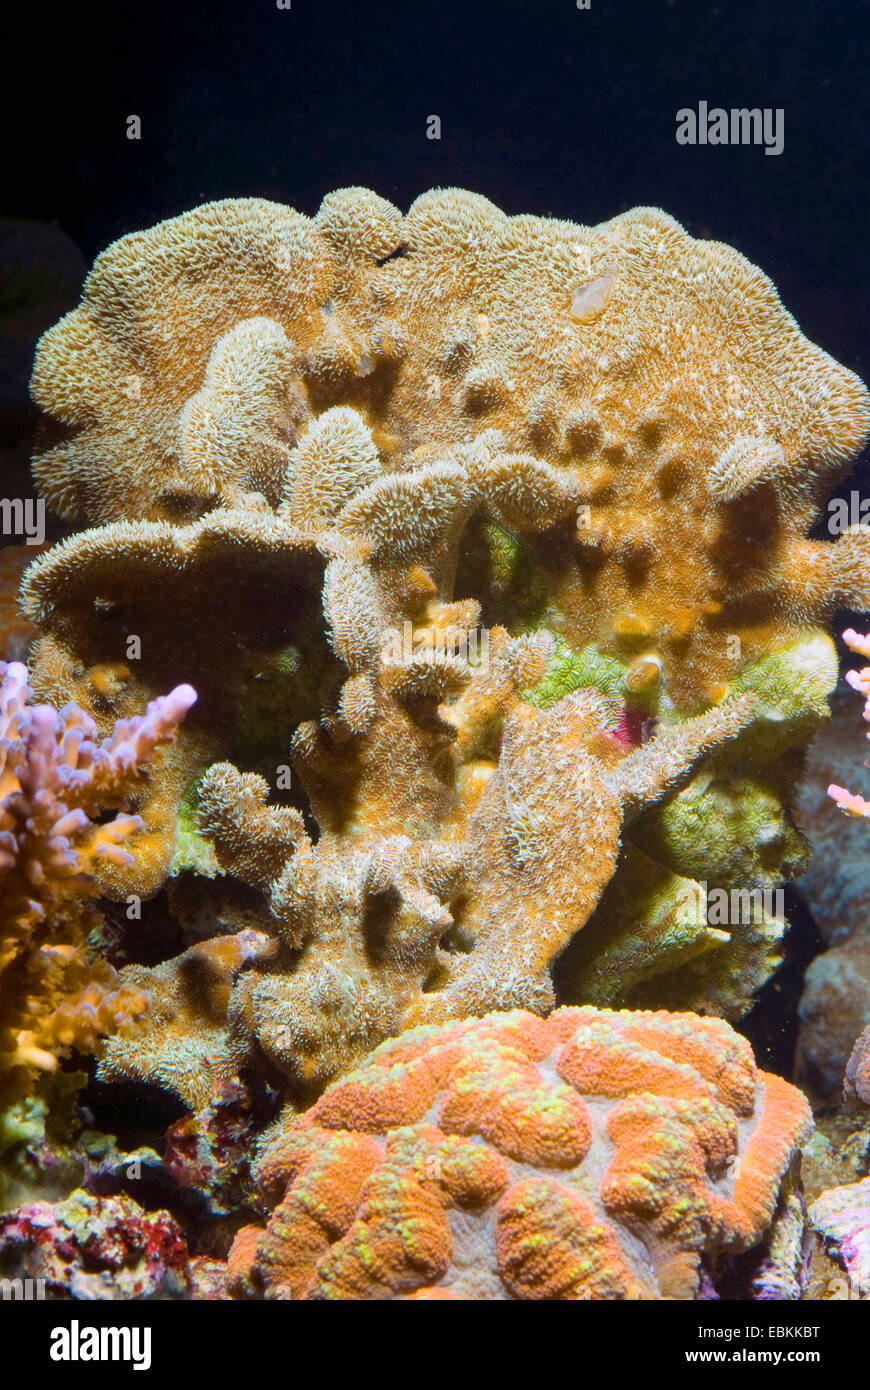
(89, 1247)
(591, 1155)
(485, 544)
(495, 529)
(656, 409)
(363, 917)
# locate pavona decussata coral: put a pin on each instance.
(496, 529)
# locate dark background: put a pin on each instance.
(545, 108)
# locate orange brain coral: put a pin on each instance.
(590, 1155)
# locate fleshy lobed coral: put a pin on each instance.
(655, 407)
(434, 890)
(496, 530)
(184, 1044)
(591, 1155)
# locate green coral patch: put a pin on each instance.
(649, 922)
(192, 850)
(725, 829)
(570, 670)
(651, 944)
(732, 823)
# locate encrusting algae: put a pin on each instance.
(483, 541)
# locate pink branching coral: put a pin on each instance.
(847, 801)
(56, 784)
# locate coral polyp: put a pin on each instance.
(667, 442)
(363, 917)
(378, 491)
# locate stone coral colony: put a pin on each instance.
(502, 1159)
(544, 646)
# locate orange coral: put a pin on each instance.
(591, 1155)
(188, 1001)
(205, 599)
(324, 439)
(420, 830)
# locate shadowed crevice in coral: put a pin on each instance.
(772, 1023)
(145, 939)
(137, 1115)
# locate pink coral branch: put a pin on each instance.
(55, 780)
(847, 801)
(55, 783)
(132, 741)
